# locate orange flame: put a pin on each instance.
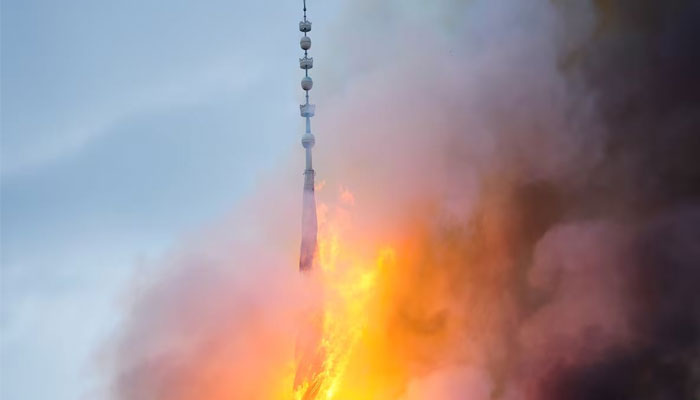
(350, 282)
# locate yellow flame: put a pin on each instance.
(349, 282)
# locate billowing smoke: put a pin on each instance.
(534, 167)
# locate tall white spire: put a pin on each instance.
(309, 223)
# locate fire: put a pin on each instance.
(388, 316)
(350, 281)
(406, 300)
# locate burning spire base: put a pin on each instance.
(309, 224)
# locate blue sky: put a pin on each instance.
(125, 125)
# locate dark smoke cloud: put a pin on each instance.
(664, 363)
(642, 66)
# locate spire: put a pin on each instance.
(308, 220)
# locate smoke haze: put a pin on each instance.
(533, 165)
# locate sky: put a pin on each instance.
(125, 126)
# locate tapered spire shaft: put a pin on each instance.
(308, 220)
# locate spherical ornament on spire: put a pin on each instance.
(305, 43)
(307, 83)
(308, 140)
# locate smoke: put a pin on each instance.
(534, 167)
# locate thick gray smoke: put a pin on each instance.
(574, 128)
(536, 163)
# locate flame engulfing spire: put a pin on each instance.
(308, 220)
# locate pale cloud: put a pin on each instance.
(96, 119)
